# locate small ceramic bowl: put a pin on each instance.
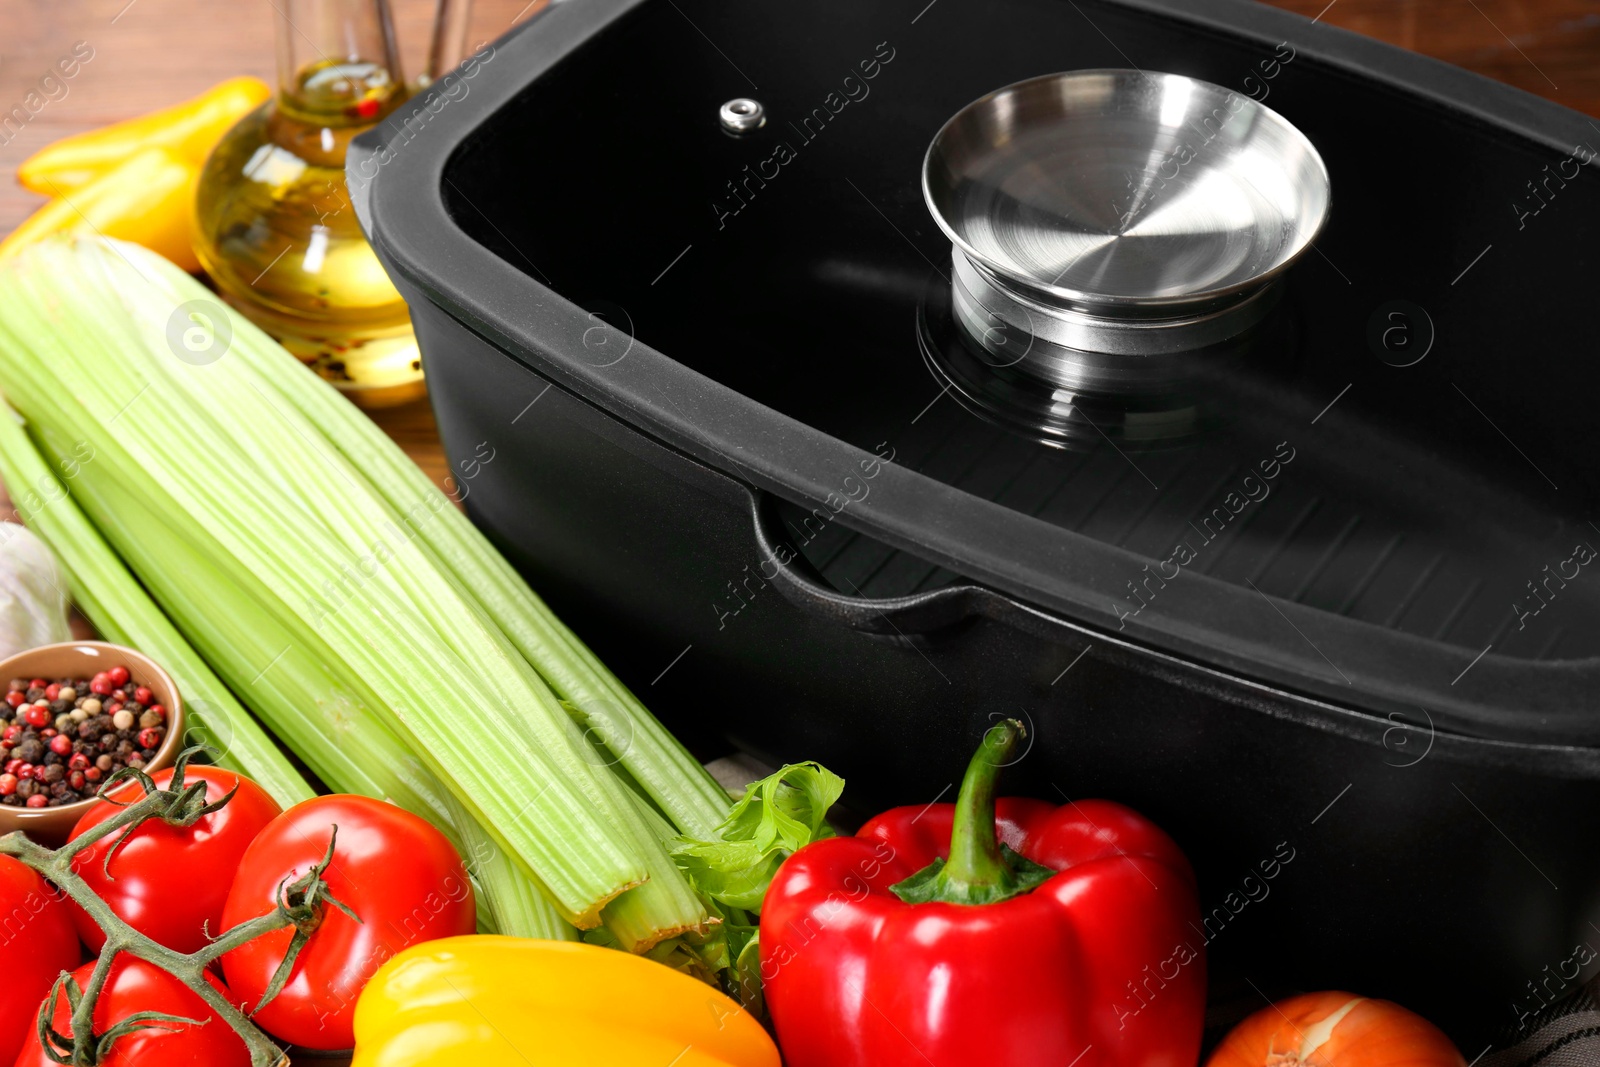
(85, 659)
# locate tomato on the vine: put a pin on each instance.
(39, 943)
(135, 986)
(400, 876)
(170, 882)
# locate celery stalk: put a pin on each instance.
(335, 733)
(122, 612)
(672, 778)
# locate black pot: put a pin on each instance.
(721, 419)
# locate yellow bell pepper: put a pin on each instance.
(147, 200)
(189, 130)
(471, 1001)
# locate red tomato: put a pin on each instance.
(38, 943)
(399, 874)
(136, 986)
(170, 882)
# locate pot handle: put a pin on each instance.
(920, 614)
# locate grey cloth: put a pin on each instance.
(1566, 1034)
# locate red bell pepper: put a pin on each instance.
(987, 934)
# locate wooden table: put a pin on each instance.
(148, 53)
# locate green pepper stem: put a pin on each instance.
(975, 858)
(980, 870)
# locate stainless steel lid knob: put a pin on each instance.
(1120, 211)
(742, 115)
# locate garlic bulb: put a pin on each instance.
(33, 593)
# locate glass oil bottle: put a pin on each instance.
(277, 232)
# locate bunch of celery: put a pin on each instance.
(341, 595)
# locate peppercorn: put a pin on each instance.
(64, 736)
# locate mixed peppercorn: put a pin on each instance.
(66, 737)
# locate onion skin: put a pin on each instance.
(1324, 1029)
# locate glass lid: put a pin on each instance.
(1401, 439)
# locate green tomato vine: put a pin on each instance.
(300, 904)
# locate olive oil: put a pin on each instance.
(277, 231)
